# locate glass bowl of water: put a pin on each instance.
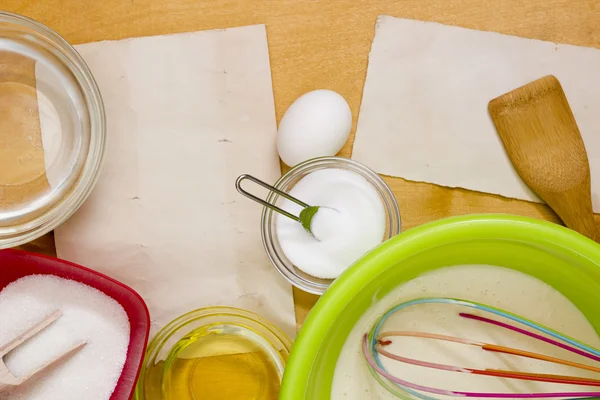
(52, 130)
(269, 223)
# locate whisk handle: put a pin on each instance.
(238, 186)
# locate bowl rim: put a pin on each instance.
(228, 314)
(21, 233)
(350, 283)
(136, 349)
(269, 235)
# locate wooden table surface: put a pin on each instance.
(325, 44)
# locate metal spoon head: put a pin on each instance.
(306, 216)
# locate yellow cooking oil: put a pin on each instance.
(219, 362)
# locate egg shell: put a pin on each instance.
(316, 124)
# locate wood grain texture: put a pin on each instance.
(325, 44)
(542, 140)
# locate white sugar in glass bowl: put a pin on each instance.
(269, 225)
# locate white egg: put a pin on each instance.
(316, 124)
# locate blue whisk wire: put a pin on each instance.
(375, 331)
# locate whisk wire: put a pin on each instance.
(374, 344)
(380, 347)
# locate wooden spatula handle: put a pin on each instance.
(578, 216)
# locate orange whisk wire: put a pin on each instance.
(382, 342)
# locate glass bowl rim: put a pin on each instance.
(21, 233)
(157, 343)
(388, 198)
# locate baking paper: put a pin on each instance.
(186, 114)
(424, 113)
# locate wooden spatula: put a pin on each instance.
(543, 143)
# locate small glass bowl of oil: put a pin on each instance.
(216, 353)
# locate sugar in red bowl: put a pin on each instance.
(16, 264)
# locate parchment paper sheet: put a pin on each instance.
(424, 113)
(186, 114)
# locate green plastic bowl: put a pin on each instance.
(558, 256)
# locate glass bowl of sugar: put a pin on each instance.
(358, 211)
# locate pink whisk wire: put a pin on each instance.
(382, 340)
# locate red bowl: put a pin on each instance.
(15, 264)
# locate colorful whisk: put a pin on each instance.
(375, 342)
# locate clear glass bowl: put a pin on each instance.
(294, 275)
(214, 353)
(52, 130)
